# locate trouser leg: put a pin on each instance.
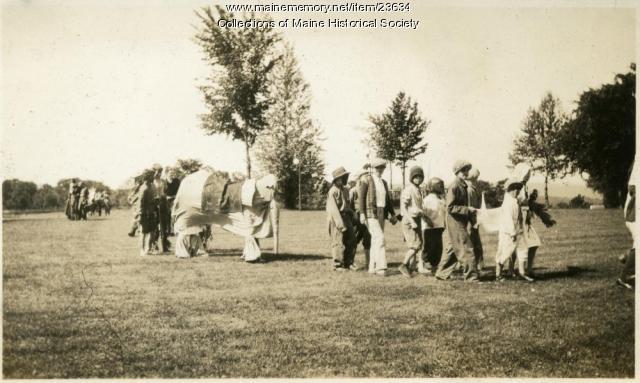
(337, 246)
(434, 246)
(378, 254)
(348, 241)
(629, 269)
(530, 259)
(478, 251)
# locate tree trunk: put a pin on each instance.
(546, 190)
(390, 175)
(404, 168)
(247, 147)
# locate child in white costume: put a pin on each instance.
(510, 237)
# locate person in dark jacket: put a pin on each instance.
(459, 215)
(475, 201)
(148, 219)
(375, 207)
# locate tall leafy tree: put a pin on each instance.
(291, 134)
(599, 141)
(237, 93)
(537, 142)
(18, 195)
(398, 134)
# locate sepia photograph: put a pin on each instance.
(318, 189)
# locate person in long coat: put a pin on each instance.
(475, 200)
(164, 214)
(459, 214)
(148, 220)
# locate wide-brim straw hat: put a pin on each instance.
(340, 172)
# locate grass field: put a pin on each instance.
(80, 302)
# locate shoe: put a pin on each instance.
(257, 261)
(354, 268)
(131, 234)
(624, 284)
(500, 278)
(339, 268)
(143, 253)
(371, 271)
(404, 270)
(527, 278)
(381, 273)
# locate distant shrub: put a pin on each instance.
(578, 202)
(562, 205)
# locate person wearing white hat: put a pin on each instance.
(522, 173)
(459, 214)
(339, 221)
(374, 205)
(510, 226)
(361, 231)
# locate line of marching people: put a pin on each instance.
(83, 200)
(440, 227)
(152, 198)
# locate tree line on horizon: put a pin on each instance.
(596, 140)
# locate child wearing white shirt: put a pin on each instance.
(433, 224)
(510, 230)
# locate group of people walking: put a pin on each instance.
(440, 227)
(83, 201)
(152, 198)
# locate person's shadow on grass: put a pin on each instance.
(488, 273)
(288, 257)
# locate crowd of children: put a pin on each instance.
(440, 228)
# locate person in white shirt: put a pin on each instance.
(510, 237)
(375, 207)
(411, 211)
(433, 224)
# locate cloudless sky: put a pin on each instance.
(102, 89)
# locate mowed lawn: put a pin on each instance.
(80, 302)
